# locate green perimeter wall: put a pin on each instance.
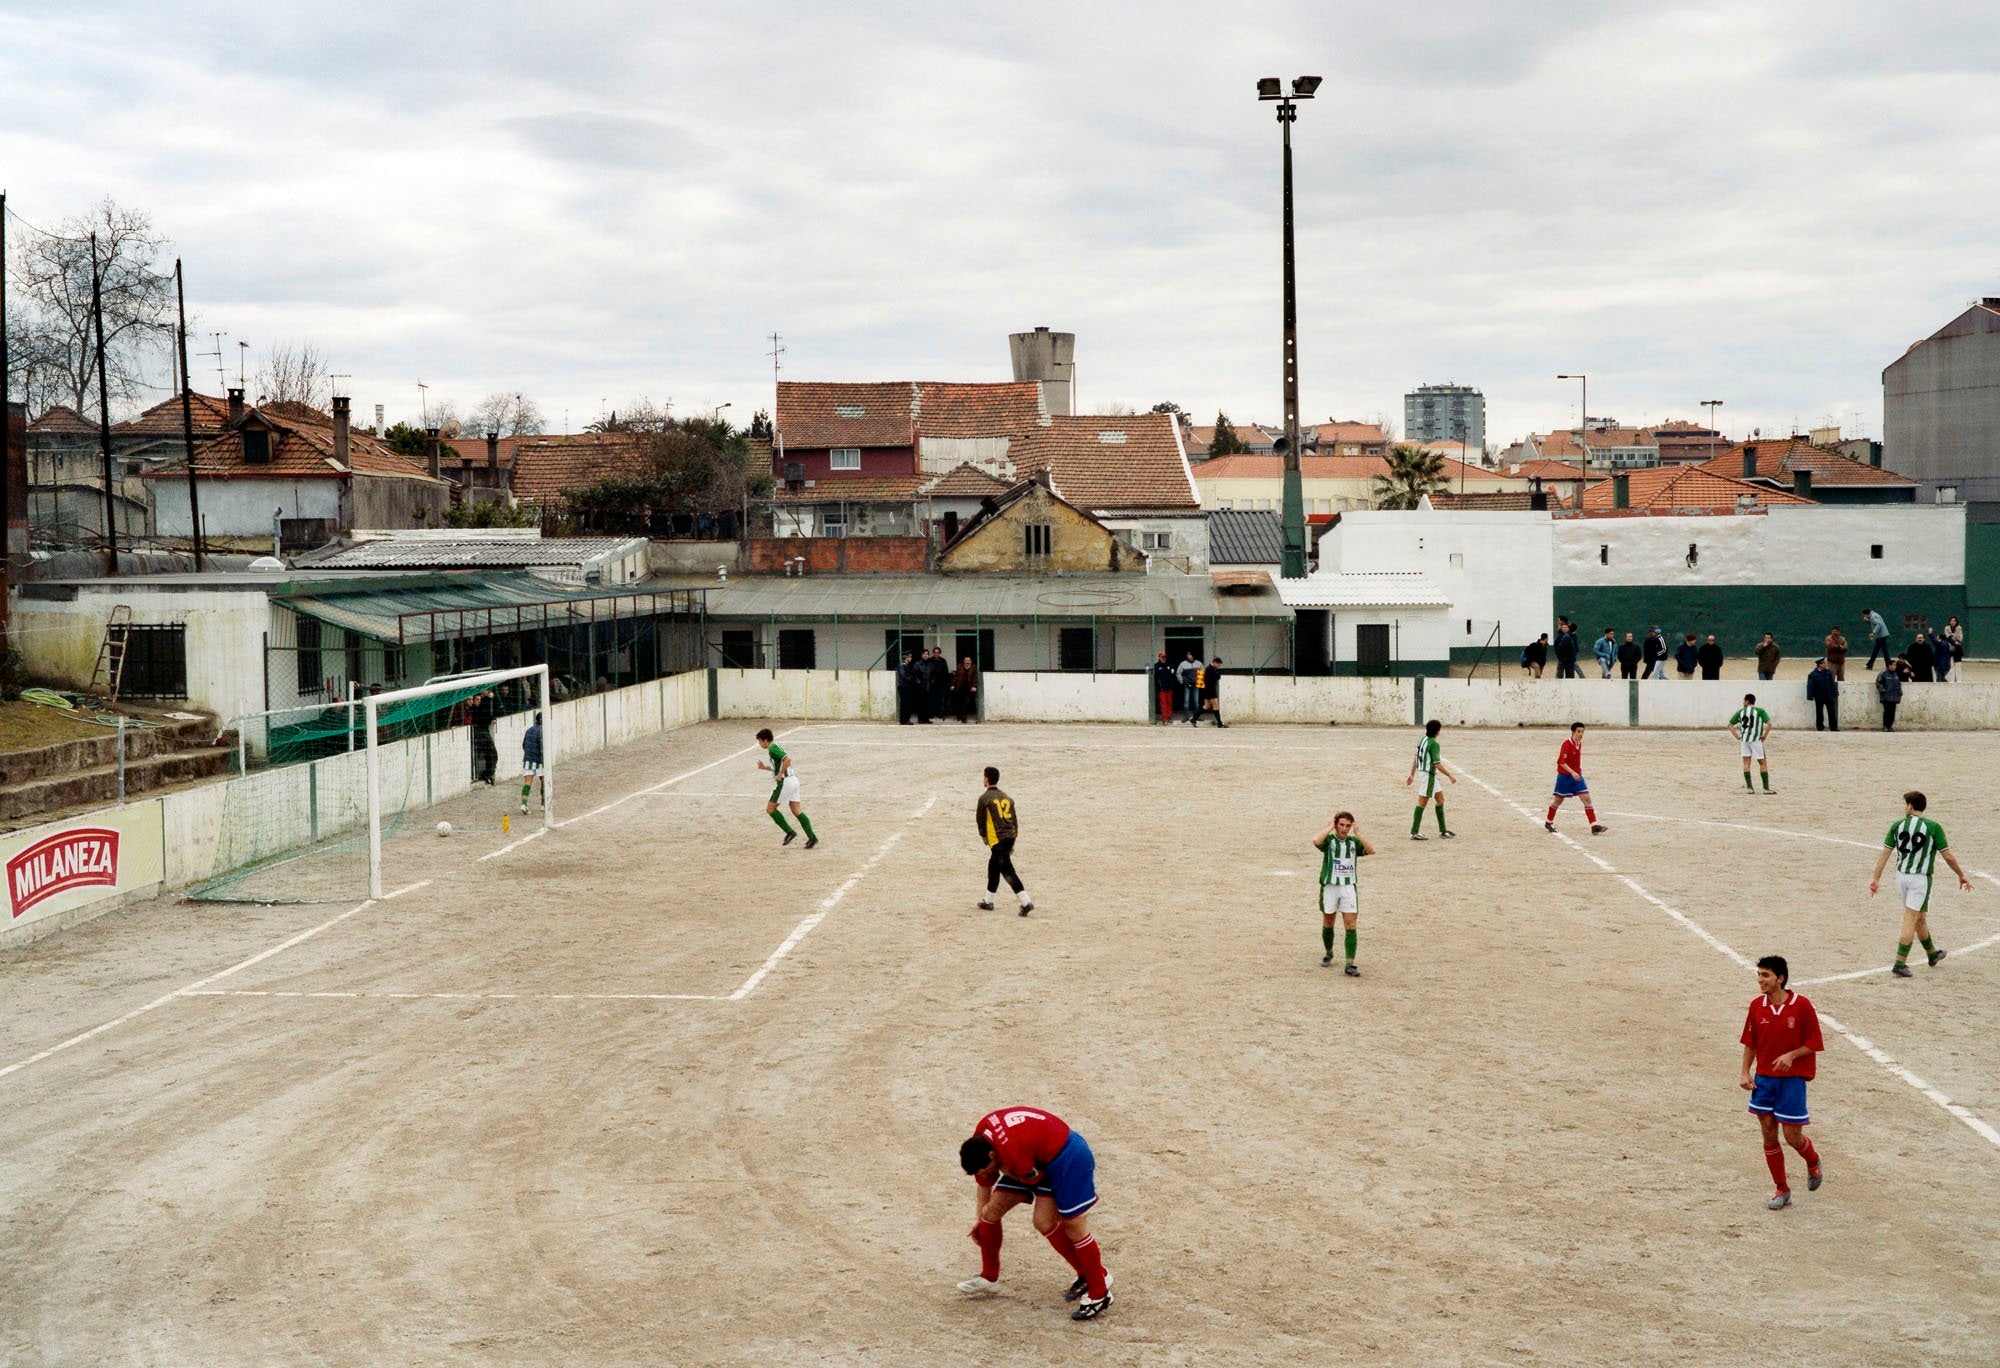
(1799, 615)
(1399, 669)
(1982, 588)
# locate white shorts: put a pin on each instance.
(1338, 898)
(1753, 750)
(788, 792)
(531, 767)
(1915, 890)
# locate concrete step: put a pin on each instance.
(141, 742)
(47, 796)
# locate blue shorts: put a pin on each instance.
(1784, 1098)
(1567, 787)
(1070, 1179)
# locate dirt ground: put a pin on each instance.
(597, 1099)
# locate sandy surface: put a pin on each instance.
(1517, 1138)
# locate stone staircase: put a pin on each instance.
(52, 781)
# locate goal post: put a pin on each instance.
(397, 701)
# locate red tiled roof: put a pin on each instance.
(1555, 445)
(1547, 470)
(210, 415)
(61, 419)
(1601, 438)
(876, 414)
(1144, 467)
(1669, 488)
(299, 450)
(1490, 502)
(855, 489)
(1778, 459)
(473, 449)
(1324, 468)
(1342, 430)
(949, 409)
(1201, 438)
(965, 481)
(545, 466)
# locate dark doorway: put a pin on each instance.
(896, 643)
(1076, 649)
(950, 525)
(978, 645)
(1178, 641)
(1311, 639)
(797, 649)
(1371, 648)
(739, 649)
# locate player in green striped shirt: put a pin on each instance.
(1341, 849)
(1915, 841)
(1428, 766)
(1750, 724)
(785, 789)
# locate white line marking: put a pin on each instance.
(513, 845)
(157, 1002)
(668, 783)
(1746, 826)
(1956, 953)
(454, 997)
(831, 901)
(1867, 1047)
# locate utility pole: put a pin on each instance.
(187, 420)
(6, 441)
(104, 415)
(1292, 520)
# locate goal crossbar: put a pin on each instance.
(373, 703)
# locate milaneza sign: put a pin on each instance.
(81, 857)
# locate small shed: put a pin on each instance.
(1371, 623)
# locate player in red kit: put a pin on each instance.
(1569, 780)
(1780, 1038)
(1019, 1153)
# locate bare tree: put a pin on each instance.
(295, 373)
(55, 284)
(1117, 408)
(510, 415)
(641, 415)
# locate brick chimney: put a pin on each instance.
(341, 451)
(436, 447)
(235, 406)
(1749, 460)
(1802, 483)
(1621, 491)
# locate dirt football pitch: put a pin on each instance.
(651, 1089)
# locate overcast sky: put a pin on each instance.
(589, 202)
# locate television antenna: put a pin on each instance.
(221, 379)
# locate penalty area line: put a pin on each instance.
(827, 904)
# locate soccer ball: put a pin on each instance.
(444, 828)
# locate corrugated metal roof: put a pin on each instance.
(1363, 589)
(374, 612)
(443, 553)
(1244, 536)
(960, 599)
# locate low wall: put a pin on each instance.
(66, 872)
(691, 557)
(821, 695)
(1066, 697)
(1321, 699)
(1528, 702)
(840, 555)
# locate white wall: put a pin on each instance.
(242, 508)
(1495, 567)
(1415, 634)
(1051, 697)
(1528, 702)
(1829, 544)
(821, 695)
(1285, 698)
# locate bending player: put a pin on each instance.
(1341, 849)
(1019, 1153)
(1430, 767)
(1750, 724)
(1916, 842)
(1780, 1039)
(1569, 780)
(786, 790)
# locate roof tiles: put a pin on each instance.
(1132, 461)
(1667, 489)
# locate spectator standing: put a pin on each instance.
(1165, 685)
(1628, 658)
(938, 676)
(1605, 648)
(1878, 637)
(1767, 657)
(906, 688)
(1685, 656)
(1941, 655)
(1836, 653)
(1565, 646)
(1889, 691)
(1709, 657)
(1919, 656)
(965, 690)
(1211, 691)
(1823, 688)
(1655, 652)
(1536, 656)
(1189, 670)
(479, 715)
(1955, 634)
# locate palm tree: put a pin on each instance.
(1413, 473)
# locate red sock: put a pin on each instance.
(986, 1234)
(1590, 814)
(1774, 1157)
(1060, 1240)
(1090, 1264)
(1552, 812)
(1809, 1154)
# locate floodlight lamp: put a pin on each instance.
(1304, 86)
(1270, 88)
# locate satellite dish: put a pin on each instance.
(267, 563)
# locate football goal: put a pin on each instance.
(326, 788)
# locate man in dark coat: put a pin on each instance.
(937, 675)
(1709, 657)
(1565, 645)
(1824, 691)
(1919, 656)
(906, 688)
(1686, 657)
(1628, 658)
(1654, 650)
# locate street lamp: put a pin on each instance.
(1582, 418)
(1713, 431)
(1292, 519)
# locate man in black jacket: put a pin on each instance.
(1655, 653)
(1211, 693)
(1565, 644)
(1165, 685)
(1709, 657)
(1824, 691)
(906, 688)
(937, 678)
(1628, 658)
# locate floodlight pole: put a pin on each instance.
(1292, 518)
(1582, 419)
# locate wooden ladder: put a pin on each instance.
(111, 655)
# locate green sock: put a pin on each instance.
(779, 818)
(807, 823)
(1902, 953)
(1326, 938)
(1746, 782)
(1765, 775)
(1352, 936)
(524, 791)
(1437, 806)
(1417, 819)
(1929, 949)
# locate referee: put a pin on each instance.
(998, 827)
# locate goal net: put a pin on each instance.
(321, 798)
